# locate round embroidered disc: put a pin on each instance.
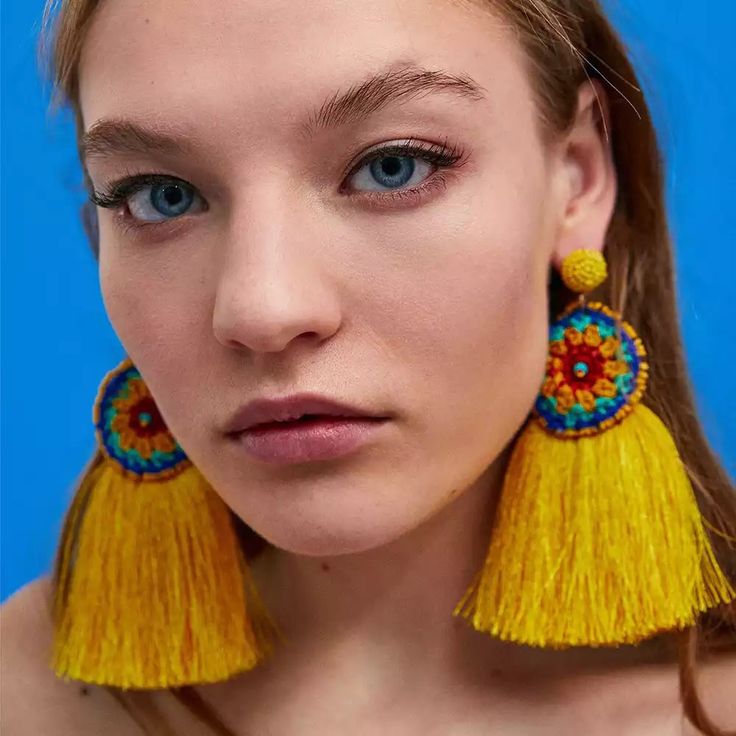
(595, 372)
(131, 430)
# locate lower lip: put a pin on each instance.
(317, 439)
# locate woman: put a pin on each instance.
(367, 201)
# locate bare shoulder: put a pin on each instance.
(35, 700)
(661, 699)
(646, 699)
(716, 683)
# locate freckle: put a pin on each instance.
(84, 690)
(325, 566)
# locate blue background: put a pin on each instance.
(57, 343)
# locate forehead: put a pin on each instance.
(253, 68)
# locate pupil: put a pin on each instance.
(392, 171)
(392, 166)
(172, 195)
(171, 200)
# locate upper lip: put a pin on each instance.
(263, 410)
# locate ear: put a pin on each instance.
(586, 176)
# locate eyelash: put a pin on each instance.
(118, 192)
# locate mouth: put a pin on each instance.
(310, 437)
(297, 410)
(311, 420)
(302, 428)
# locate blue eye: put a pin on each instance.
(151, 198)
(390, 172)
(401, 165)
(156, 202)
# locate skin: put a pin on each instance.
(433, 311)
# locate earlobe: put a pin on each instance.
(589, 176)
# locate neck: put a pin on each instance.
(385, 610)
(403, 591)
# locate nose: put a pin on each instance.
(273, 283)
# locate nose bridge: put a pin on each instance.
(270, 286)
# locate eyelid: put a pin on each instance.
(120, 190)
(442, 155)
(406, 147)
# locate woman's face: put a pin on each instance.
(409, 289)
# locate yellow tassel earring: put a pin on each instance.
(598, 539)
(153, 590)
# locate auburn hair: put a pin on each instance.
(566, 43)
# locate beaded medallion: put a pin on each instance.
(596, 372)
(130, 429)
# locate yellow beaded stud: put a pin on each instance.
(583, 270)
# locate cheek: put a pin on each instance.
(151, 310)
(473, 327)
(491, 365)
(481, 361)
(121, 293)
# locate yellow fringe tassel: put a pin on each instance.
(597, 541)
(152, 587)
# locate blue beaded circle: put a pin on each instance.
(596, 372)
(130, 429)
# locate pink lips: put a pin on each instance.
(274, 431)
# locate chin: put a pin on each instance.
(344, 509)
(323, 539)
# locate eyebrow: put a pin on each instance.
(108, 137)
(402, 80)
